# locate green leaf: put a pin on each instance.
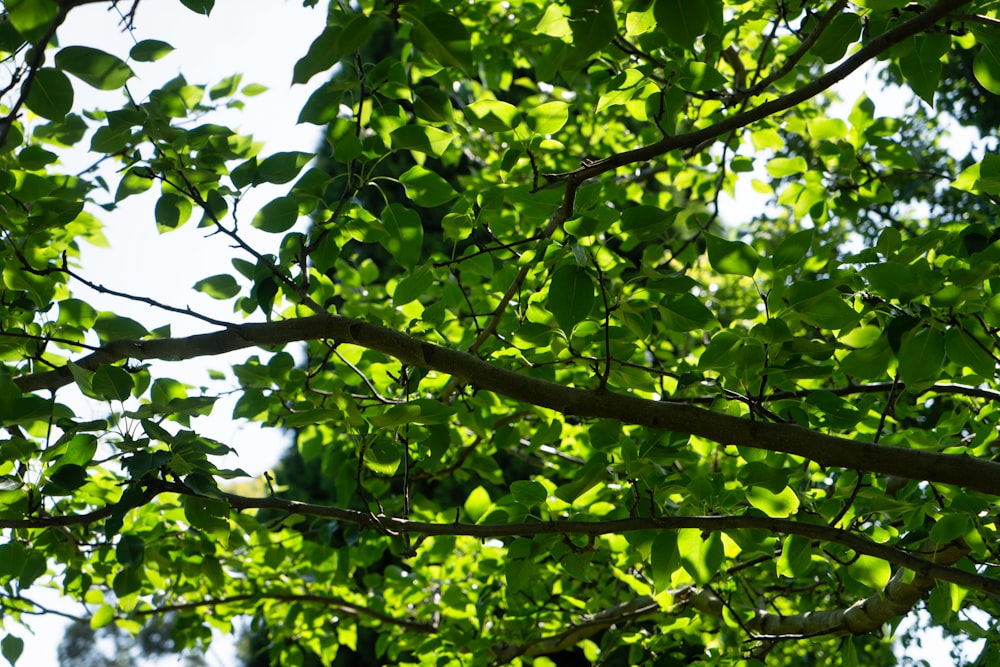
(222, 286)
(682, 20)
(412, 286)
(732, 257)
(685, 312)
(396, 415)
(199, 6)
(422, 139)
(477, 503)
(922, 71)
(115, 327)
(11, 647)
(443, 37)
(792, 249)
(150, 50)
(323, 53)
(425, 187)
(648, 222)
(133, 182)
(126, 581)
(65, 479)
(493, 115)
(104, 615)
(31, 17)
(131, 550)
(965, 350)
(796, 557)
(171, 212)
(697, 76)
(870, 571)
(701, 554)
(278, 215)
(93, 66)
(528, 493)
(921, 357)
(432, 104)
(548, 118)
(781, 167)
(833, 42)
(571, 296)
(282, 167)
(244, 174)
(593, 25)
(782, 504)
(322, 106)
(891, 280)
(112, 383)
(405, 234)
(828, 311)
(51, 94)
(986, 67)
(664, 559)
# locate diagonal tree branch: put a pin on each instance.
(826, 450)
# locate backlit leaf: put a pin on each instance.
(99, 69)
(572, 295)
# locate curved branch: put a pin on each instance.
(897, 598)
(823, 532)
(826, 450)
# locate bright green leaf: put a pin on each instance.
(426, 188)
(783, 504)
(477, 503)
(870, 571)
(732, 257)
(571, 295)
(222, 286)
(493, 115)
(150, 50)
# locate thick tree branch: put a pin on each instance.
(897, 598)
(826, 450)
(867, 615)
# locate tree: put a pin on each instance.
(565, 406)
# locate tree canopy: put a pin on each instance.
(557, 401)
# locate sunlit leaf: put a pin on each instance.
(93, 66)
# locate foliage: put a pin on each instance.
(564, 406)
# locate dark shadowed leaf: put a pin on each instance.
(51, 94)
(572, 295)
(149, 50)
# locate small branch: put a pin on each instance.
(337, 605)
(873, 49)
(807, 43)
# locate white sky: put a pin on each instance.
(262, 39)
